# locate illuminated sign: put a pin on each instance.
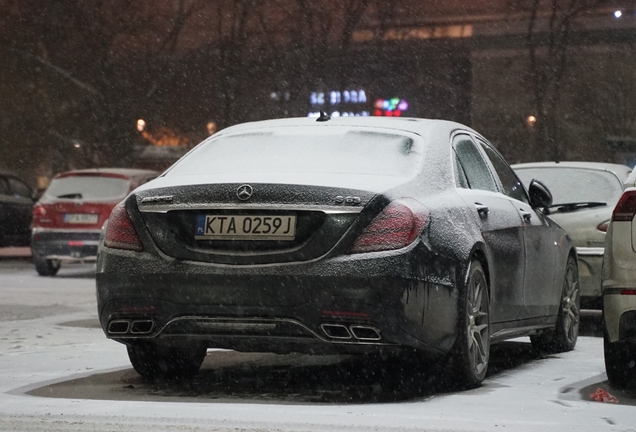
(393, 107)
(336, 97)
(347, 103)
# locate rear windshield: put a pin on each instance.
(310, 150)
(575, 185)
(88, 188)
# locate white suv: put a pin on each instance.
(619, 290)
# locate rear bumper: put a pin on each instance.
(368, 302)
(65, 245)
(619, 313)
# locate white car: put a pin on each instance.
(619, 291)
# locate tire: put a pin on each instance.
(471, 353)
(620, 363)
(46, 267)
(563, 337)
(151, 361)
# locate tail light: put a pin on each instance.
(626, 207)
(603, 226)
(399, 224)
(120, 231)
(39, 211)
(40, 216)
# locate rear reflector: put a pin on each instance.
(603, 226)
(397, 226)
(76, 243)
(626, 207)
(120, 231)
(136, 309)
(628, 292)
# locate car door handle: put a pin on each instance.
(526, 215)
(482, 210)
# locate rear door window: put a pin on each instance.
(473, 164)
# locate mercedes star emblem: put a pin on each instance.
(244, 192)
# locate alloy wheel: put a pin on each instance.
(478, 330)
(570, 303)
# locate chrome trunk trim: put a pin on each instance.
(144, 208)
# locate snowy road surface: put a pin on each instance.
(59, 372)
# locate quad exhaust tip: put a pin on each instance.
(359, 332)
(133, 327)
(366, 333)
(336, 331)
(119, 327)
(142, 326)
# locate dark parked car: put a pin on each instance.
(584, 195)
(16, 201)
(68, 218)
(348, 235)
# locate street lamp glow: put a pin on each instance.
(141, 125)
(618, 14)
(531, 120)
(211, 127)
(77, 145)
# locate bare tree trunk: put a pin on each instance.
(548, 40)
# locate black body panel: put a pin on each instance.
(405, 295)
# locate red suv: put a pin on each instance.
(68, 218)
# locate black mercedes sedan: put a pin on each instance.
(344, 235)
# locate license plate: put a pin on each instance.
(80, 218)
(239, 227)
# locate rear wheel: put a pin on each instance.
(151, 361)
(471, 353)
(620, 363)
(563, 337)
(46, 267)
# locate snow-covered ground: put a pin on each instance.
(59, 372)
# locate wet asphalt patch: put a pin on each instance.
(229, 376)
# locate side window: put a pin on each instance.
(512, 186)
(4, 186)
(474, 166)
(461, 179)
(19, 188)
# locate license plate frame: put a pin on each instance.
(256, 227)
(81, 218)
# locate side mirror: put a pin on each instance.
(540, 196)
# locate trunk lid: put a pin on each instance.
(184, 221)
